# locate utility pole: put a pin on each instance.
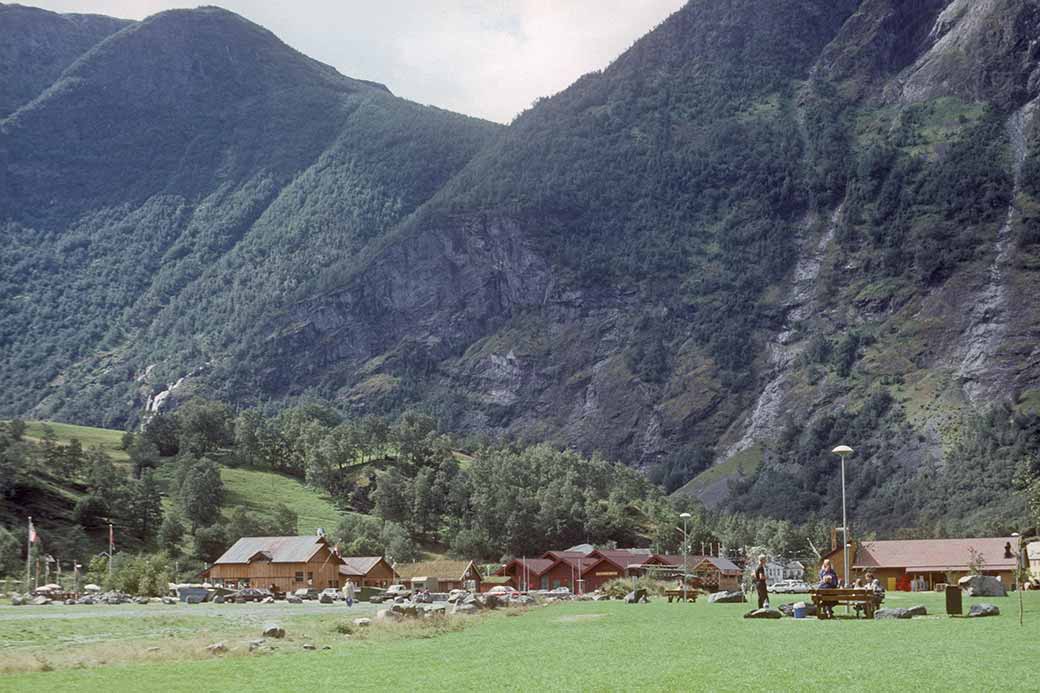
(111, 547)
(685, 553)
(28, 557)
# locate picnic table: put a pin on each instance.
(676, 593)
(863, 599)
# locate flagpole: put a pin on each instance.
(28, 557)
(111, 548)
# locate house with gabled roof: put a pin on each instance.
(440, 575)
(367, 571)
(280, 564)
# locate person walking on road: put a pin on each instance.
(760, 583)
(349, 592)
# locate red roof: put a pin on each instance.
(921, 555)
(534, 566)
(575, 559)
(623, 558)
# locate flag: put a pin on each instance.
(34, 538)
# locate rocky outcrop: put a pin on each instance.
(982, 586)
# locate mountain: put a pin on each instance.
(768, 227)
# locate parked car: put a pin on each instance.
(306, 593)
(504, 591)
(789, 587)
(560, 591)
(398, 590)
(248, 594)
(332, 592)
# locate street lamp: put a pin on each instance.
(844, 451)
(685, 550)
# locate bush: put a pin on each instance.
(619, 587)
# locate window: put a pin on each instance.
(299, 576)
(545, 582)
(310, 576)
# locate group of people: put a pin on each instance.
(828, 579)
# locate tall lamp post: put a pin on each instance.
(844, 451)
(685, 551)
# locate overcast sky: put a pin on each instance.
(488, 58)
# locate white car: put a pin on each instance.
(789, 587)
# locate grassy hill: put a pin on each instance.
(88, 436)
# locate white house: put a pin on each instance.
(774, 571)
(794, 570)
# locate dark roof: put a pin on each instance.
(534, 566)
(724, 565)
(274, 549)
(359, 565)
(623, 558)
(575, 559)
(934, 554)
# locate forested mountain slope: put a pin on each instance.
(768, 227)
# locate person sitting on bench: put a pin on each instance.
(828, 581)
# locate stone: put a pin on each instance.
(523, 600)
(726, 598)
(918, 610)
(980, 610)
(169, 601)
(17, 600)
(362, 622)
(255, 645)
(387, 615)
(153, 649)
(142, 600)
(217, 648)
(982, 586)
(272, 630)
(493, 601)
(465, 608)
(883, 614)
(764, 613)
(326, 599)
(406, 610)
(41, 601)
(309, 646)
(293, 599)
(86, 600)
(267, 600)
(636, 596)
(69, 602)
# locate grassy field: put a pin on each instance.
(259, 491)
(602, 646)
(89, 437)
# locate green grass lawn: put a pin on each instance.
(89, 437)
(260, 492)
(607, 646)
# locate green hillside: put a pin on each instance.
(108, 440)
(258, 491)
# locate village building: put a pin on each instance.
(898, 563)
(367, 571)
(714, 572)
(440, 576)
(1033, 555)
(280, 564)
(794, 570)
(774, 571)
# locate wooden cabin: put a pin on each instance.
(367, 571)
(280, 564)
(440, 576)
(898, 564)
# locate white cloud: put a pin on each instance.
(488, 58)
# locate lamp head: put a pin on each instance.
(685, 516)
(842, 450)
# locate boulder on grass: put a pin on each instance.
(326, 598)
(142, 600)
(882, 614)
(17, 600)
(41, 601)
(982, 586)
(267, 600)
(764, 613)
(636, 596)
(465, 608)
(169, 601)
(362, 622)
(918, 610)
(980, 610)
(725, 597)
(293, 599)
(493, 601)
(272, 630)
(522, 600)
(217, 648)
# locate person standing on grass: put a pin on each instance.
(828, 581)
(760, 583)
(349, 592)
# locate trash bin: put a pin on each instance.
(953, 600)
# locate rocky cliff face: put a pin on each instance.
(764, 217)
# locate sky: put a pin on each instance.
(486, 58)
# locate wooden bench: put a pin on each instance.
(866, 599)
(677, 595)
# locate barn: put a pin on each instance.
(367, 571)
(440, 576)
(280, 564)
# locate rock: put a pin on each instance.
(980, 610)
(524, 600)
(406, 610)
(472, 600)
(86, 600)
(326, 647)
(309, 646)
(726, 598)
(326, 599)
(465, 608)
(883, 614)
(493, 601)
(169, 601)
(387, 615)
(272, 630)
(599, 597)
(982, 586)
(362, 622)
(636, 596)
(764, 613)
(918, 610)
(41, 601)
(17, 600)
(293, 599)
(267, 600)
(69, 602)
(153, 649)
(255, 645)
(217, 648)
(142, 600)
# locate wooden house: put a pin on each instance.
(898, 563)
(440, 576)
(367, 571)
(280, 564)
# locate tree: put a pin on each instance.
(143, 455)
(203, 426)
(202, 494)
(171, 534)
(127, 440)
(285, 521)
(10, 553)
(398, 545)
(424, 516)
(144, 512)
(16, 429)
(210, 543)
(161, 431)
(392, 496)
